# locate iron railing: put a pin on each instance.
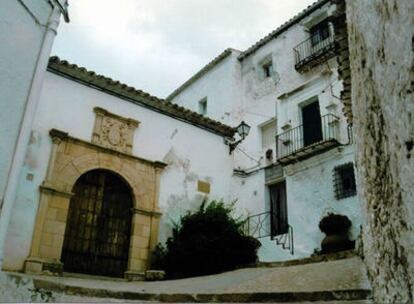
(312, 49)
(286, 240)
(295, 139)
(260, 226)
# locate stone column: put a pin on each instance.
(57, 137)
(132, 125)
(139, 245)
(50, 223)
(145, 227)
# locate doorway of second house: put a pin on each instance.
(98, 228)
(311, 123)
(278, 209)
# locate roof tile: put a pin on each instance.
(115, 87)
(281, 28)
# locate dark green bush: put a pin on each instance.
(208, 241)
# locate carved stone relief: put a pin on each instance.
(113, 131)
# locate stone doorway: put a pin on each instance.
(72, 158)
(97, 234)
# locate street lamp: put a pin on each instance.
(243, 130)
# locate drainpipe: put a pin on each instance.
(27, 121)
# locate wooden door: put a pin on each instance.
(278, 209)
(98, 228)
(312, 124)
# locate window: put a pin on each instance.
(319, 33)
(344, 181)
(267, 69)
(268, 132)
(202, 106)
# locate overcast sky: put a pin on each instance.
(156, 45)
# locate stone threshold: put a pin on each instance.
(312, 259)
(258, 297)
(92, 277)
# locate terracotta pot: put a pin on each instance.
(336, 242)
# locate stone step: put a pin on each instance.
(342, 279)
(313, 259)
(255, 297)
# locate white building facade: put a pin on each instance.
(179, 144)
(164, 157)
(296, 165)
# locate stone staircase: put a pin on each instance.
(324, 279)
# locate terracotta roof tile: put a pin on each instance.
(282, 28)
(114, 87)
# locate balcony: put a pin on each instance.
(313, 51)
(301, 142)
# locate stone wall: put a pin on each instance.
(381, 45)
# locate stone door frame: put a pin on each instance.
(70, 158)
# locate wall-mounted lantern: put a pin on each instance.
(243, 130)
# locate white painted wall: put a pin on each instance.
(192, 154)
(22, 24)
(309, 184)
(221, 87)
(17, 66)
(310, 195)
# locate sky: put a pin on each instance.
(156, 45)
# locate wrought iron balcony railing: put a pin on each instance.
(313, 51)
(305, 141)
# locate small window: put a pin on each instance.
(344, 181)
(202, 106)
(268, 132)
(267, 69)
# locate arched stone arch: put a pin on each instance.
(71, 158)
(73, 170)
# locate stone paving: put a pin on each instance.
(336, 276)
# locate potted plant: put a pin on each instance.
(336, 227)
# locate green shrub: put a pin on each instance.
(208, 241)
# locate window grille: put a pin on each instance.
(344, 181)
